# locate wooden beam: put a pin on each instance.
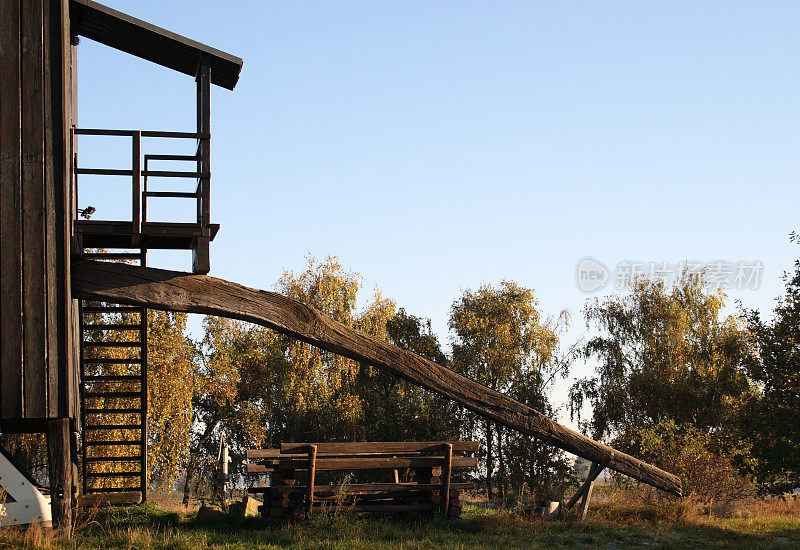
(376, 447)
(177, 291)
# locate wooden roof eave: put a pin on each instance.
(136, 37)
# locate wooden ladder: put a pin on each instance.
(113, 391)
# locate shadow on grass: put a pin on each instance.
(478, 528)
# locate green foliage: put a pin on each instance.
(708, 472)
(665, 354)
(772, 416)
(171, 366)
(500, 341)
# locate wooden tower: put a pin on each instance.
(61, 373)
(52, 368)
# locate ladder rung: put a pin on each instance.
(112, 442)
(113, 410)
(100, 360)
(111, 309)
(114, 427)
(125, 394)
(113, 459)
(111, 326)
(112, 344)
(114, 255)
(112, 474)
(113, 378)
(112, 489)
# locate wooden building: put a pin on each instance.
(44, 227)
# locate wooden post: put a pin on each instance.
(585, 492)
(447, 468)
(312, 474)
(60, 469)
(585, 500)
(200, 252)
(136, 167)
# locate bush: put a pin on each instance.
(707, 472)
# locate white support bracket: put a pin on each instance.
(26, 503)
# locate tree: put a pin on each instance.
(772, 415)
(664, 354)
(396, 410)
(499, 340)
(240, 364)
(671, 371)
(171, 375)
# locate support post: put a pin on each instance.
(136, 168)
(585, 492)
(200, 255)
(312, 474)
(60, 468)
(447, 468)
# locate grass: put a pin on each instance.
(774, 524)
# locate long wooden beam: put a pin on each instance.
(178, 291)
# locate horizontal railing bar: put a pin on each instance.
(187, 135)
(103, 172)
(170, 157)
(171, 174)
(144, 133)
(171, 194)
(102, 132)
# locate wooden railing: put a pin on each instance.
(140, 171)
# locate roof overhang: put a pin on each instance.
(134, 36)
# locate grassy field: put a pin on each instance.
(758, 525)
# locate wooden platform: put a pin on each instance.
(154, 235)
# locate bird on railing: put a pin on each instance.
(87, 212)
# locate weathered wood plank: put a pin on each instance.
(34, 302)
(356, 488)
(10, 208)
(378, 447)
(362, 463)
(171, 290)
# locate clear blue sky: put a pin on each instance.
(433, 146)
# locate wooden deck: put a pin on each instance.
(154, 235)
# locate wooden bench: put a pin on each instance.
(422, 477)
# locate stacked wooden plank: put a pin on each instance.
(422, 475)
